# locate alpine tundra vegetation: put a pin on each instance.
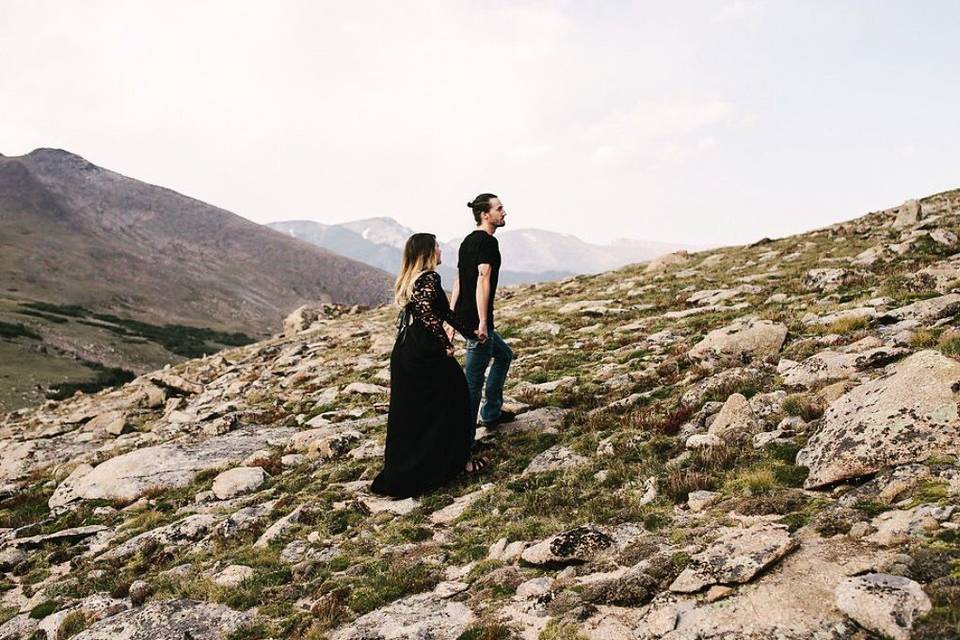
(749, 442)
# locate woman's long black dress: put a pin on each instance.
(427, 429)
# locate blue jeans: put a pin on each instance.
(479, 355)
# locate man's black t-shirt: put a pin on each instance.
(477, 248)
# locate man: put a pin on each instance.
(474, 292)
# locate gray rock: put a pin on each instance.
(882, 603)
(908, 214)
(735, 557)
(179, 533)
(904, 417)
(554, 458)
(424, 616)
(827, 279)
(233, 575)
(170, 620)
(901, 526)
(238, 481)
(300, 320)
(743, 340)
(736, 421)
(700, 500)
(11, 557)
(166, 466)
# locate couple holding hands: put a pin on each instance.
(434, 403)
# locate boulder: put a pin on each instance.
(545, 420)
(112, 422)
(744, 340)
(736, 421)
(664, 262)
(174, 382)
(299, 320)
(576, 545)
(922, 312)
(906, 416)
(882, 603)
(168, 620)
(735, 557)
(908, 214)
(238, 481)
(836, 365)
(939, 276)
(127, 476)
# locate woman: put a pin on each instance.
(428, 426)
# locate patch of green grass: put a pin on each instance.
(556, 630)
(183, 340)
(72, 310)
(8, 613)
(9, 331)
(949, 343)
(73, 623)
(487, 631)
(380, 582)
(105, 377)
(44, 609)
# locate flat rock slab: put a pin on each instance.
(554, 458)
(576, 545)
(178, 533)
(426, 616)
(903, 417)
(170, 620)
(882, 603)
(835, 365)
(735, 557)
(72, 535)
(547, 419)
(165, 466)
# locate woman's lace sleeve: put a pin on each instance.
(425, 296)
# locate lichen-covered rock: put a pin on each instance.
(425, 615)
(836, 365)
(576, 545)
(178, 533)
(735, 557)
(170, 620)
(743, 340)
(882, 603)
(827, 279)
(906, 416)
(554, 458)
(900, 526)
(736, 421)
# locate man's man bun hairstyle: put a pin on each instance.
(480, 205)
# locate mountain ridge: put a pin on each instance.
(705, 445)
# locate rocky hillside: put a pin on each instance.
(752, 442)
(106, 271)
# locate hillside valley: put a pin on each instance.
(103, 277)
(748, 442)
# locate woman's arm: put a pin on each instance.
(425, 307)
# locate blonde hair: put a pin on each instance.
(419, 256)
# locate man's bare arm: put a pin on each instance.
(454, 295)
(483, 298)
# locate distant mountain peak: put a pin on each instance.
(49, 157)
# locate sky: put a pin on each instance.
(708, 123)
